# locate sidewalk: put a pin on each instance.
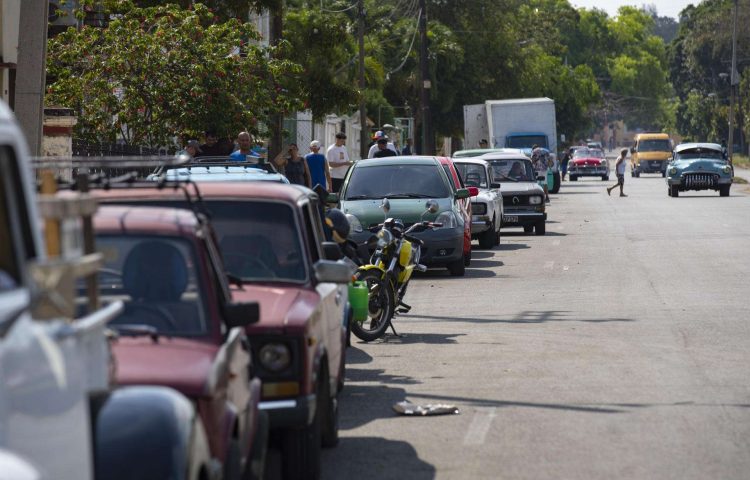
(742, 173)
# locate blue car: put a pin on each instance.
(699, 166)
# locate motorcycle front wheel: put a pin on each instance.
(380, 306)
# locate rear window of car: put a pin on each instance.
(474, 175)
(394, 181)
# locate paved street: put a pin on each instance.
(616, 346)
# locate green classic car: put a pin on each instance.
(699, 166)
(407, 183)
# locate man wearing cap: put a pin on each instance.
(192, 149)
(338, 161)
(318, 166)
(374, 148)
(383, 150)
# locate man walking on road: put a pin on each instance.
(318, 167)
(338, 161)
(620, 170)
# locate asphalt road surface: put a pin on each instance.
(615, 346)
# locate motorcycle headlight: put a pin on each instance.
(384, 238)
(448, 219)
(672, 171)
(535, 200)
(726, 169)
(354, 224)
(274, 357)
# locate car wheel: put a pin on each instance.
(663, 174)
(300, 451)
(329, 413)
(637, 174)
(457, 268)
(487, 238)
(467, 259)
(528, 228)
(256, 464)
(674, 191)
(540, 228)
(573, 178)
(724, 190)
(233, 461)
(555, 182)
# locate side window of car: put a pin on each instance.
(16, 243)
(313, 230)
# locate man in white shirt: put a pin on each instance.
(338, 161)
(374, 148)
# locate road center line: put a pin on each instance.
(479, 426)
(549, 265)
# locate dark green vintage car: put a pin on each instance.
(699, 166)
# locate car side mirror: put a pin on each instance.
(473, 191)
(332, 198)
(331, 251)
(241, 314)
(462, 193)
(541, 178)
(333, 272)
(495, 185)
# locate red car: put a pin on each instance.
(181, 327)
(588, 162)
(271, 238)
(465, 203)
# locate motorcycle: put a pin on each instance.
(387, 275)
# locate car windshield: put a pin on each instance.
(396, 181)
(259, 240)
(512, 170)
(588, 153)
(699, 153)
(474, 175)
(654, 146)
(157, 280)
(526, 141)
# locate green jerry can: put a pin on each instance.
(358, 300)
(550, 180)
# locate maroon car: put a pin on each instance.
(465, 203)
(272, 241)
(181, 327)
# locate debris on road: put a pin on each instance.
(408, 408)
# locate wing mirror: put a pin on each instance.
(332, 198)
(541, 178)
(432, 206)
(241, 314)
(473, 191)
(386, 206)
(331, 251)
(333, 272)
(463, 193)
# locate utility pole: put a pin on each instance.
(275, 35)
(30, 73)
(733, 82)
(363, 133)
(424, 89)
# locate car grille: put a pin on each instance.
(478, 208)
(515, 200)
(699, 180)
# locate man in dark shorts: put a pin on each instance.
(620, 170)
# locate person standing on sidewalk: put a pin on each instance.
(338, 161)
(620, 170)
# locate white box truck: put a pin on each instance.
(514, 123)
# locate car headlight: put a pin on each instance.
(726, 169)
(384, 238)
(672, 171)
(448, 219)
(535, 200)
(354, 224)
(275, 357)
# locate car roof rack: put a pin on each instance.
(219, 162)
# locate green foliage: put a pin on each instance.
(157, 73)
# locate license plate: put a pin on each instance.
(510, 218)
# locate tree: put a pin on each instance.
(157, 73)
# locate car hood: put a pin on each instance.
(173, 362)
(698, 164)
(280, 306)
(510, 188)
(587, 161)
(408, 210)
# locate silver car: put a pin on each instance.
(487, 206)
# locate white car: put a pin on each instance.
(487, 207)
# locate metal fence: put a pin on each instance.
(83, 148)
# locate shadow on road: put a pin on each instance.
(374, 458)
(507, 247)
(355, 356)
(477, 263)
(437, 274)
(524, 317)
(377, 375)
(481, 402)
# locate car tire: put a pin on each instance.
(457, 268)
(301, 450)
(555, 182)
(487, 238)
(528, 228)
(573, 178)
(674, 191)
(233, 462)
(467, 259)
(256, 463)
(329, 413)
(664, 174)
(540, 228)
(724, 190)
